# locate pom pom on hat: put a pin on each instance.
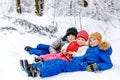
(83, 34)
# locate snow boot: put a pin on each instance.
(27, 67)
(27, 48)
(22, 65)
(92, 68)
(38, 59)
(34, 71)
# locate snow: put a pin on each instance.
(12, 49)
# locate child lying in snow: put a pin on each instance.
(56, 46)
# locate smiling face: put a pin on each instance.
(93, 42)
(71, 37)
(81, 41)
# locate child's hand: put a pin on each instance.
(69, 55)
(70, 52)
(64, 52)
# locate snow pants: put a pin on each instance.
(56, 66)
(40, 49)
(54, 56)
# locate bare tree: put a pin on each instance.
(18, 6)
(104, 12)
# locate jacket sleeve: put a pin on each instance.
(81, 51)
(65, 46)
(55, 45)
(105, 60)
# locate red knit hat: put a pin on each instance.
(83, 34)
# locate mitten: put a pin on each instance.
(92, 68)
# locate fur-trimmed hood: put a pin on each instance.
(104, 45)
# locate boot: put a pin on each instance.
(38, 59)
(34, 71)
(22, 65)
(27, 48)
(27, 67)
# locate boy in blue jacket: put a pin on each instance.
(97, 58)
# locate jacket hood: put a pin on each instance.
(104, 45)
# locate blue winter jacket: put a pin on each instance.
(94, 54)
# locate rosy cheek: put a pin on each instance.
(90, 42)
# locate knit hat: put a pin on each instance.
(97, 36)
(72, 31)
(83, 34)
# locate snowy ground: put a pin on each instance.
(12, 50)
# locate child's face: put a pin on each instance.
(71, 37)
(81, 41)
(93, 42)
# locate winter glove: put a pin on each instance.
(92, 68)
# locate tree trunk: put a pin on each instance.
(39, 4)
(18, 6)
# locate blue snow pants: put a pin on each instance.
(56, 66)
(40, 50)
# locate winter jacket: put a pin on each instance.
(42, 49)
(80, 52)
(58, 44)
(98, 54)
(72, 47)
